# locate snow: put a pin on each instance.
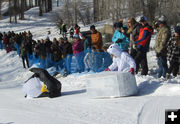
(74, 107)
(110, 84)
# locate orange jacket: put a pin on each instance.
(96, 40)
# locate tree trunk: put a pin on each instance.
(0, 10)
(36, 2)
(40, 7)
(15, 11)
(75, 12)
(96, 10)
(22, 9)
(57, 3)
(49, 5)
(10, 12)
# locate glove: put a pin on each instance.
(119, 40)
(158, 55)
(132, 71)
(134, 46)
(107, 69)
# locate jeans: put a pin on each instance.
(17, 48)
(68, 63)
(162, 63)
(1, 45)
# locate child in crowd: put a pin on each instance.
(122, 61)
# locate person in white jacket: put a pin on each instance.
(122, 61)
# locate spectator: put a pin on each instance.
(96, 38)
(120, 38)
(23, 54)
(173, 54)
(142, 44)
(78, 53)
(162, 38)
(67, 55)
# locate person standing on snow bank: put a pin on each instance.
(122, 61)
(173, 53)
(162, 38)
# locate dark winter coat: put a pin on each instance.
(42, 50)
(56, 53)
(53, 85)
(48, 46)
(87, 43)
(173, 54)
(67, 49)
(23, 52)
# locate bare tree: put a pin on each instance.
(22, 9)
(40, 8)
(0, 10)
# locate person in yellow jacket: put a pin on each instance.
(96, 38)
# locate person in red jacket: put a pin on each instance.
(142, 44)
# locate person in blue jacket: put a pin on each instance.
(120, 38)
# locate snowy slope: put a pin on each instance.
(74, 107)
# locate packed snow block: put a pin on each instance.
(111, 84)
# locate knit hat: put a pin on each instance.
(143, 19)
(92, 27)
(119, 25)
(162, 20)
(177, 29)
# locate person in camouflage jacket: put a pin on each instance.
(162, 38)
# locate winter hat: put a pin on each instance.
(119, 25)
(143, 19)
(76, 36)
(115, 25)
(92, 27)
(177, 29)
(115, 50)
(162, 19)
(76, 26)
(121, 20)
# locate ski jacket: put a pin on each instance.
(162, 39)
(144, 38)
(96, 40)
(125, 40)
(122, 60)
(77, 47)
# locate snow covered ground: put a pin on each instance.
(74, 107)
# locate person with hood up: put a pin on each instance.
(122, 61)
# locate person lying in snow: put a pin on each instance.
(122, 61)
